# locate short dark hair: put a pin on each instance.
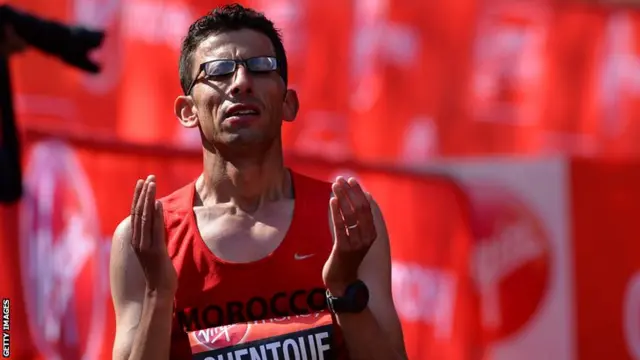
(228, 18)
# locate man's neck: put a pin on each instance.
(246, 182)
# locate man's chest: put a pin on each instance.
(242, 238)
(274, 270)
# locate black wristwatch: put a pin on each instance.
(354, 300)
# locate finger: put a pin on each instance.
(138, 209)
(362, 208)
(136, 195)
(357, 198)
(346, 209)
(339, 227)
(148, 215)
(342, 182)
(158, 225)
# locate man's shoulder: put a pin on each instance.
(310, 185)
(180, 199)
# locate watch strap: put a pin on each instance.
(354, 299)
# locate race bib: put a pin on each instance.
(303, 337)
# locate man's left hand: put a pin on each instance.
(354, 232)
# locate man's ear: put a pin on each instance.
(291, 105)
(185, 110)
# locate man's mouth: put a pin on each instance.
(242, 111)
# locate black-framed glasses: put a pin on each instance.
(214, 68)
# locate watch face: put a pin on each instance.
(360, 296)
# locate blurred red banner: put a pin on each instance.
(408, 81)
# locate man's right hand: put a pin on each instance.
(148, 240)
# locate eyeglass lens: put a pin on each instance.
(225, 67)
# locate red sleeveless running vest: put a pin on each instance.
(212, 292)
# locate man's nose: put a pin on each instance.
(242, 81)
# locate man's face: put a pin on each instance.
(217, 100)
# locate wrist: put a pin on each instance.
(338, 287)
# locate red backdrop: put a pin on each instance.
(379, 82)
(408, 80)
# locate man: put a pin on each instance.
(249, 239)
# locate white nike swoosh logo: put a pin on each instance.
(302, 257)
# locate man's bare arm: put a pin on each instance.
(143, 321)
(142, 281)
(127, 290)
(376, 332)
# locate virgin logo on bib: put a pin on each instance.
(299, 337)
